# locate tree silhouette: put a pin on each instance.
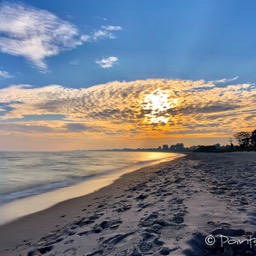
(253, 138)
(243, 139)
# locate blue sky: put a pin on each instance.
(170, 71)
(167, 39)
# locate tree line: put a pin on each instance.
(246, 139)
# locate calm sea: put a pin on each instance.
(23, 174)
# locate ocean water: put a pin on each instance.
(24, 174)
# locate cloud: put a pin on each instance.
(5, 74)
(80, 127)
(25, 128)
(100, 34)
(85, 38)
(226, 80)
(112, 28)
(74, 62)
(37, 34)
(108, 62)
(104, 32)
(143, 108)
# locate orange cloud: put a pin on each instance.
(138, 109)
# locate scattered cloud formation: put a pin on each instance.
(137, 109)
(100, 34)
(108, 62)
(36, 34)
(5, 74)
(104, 32)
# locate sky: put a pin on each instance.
(132, 73)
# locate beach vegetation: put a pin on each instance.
(246, 140)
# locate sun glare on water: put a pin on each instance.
(156, 106)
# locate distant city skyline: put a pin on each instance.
(102, 74)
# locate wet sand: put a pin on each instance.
(167, 209)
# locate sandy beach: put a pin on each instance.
(166, 209)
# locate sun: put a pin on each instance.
(156, 106)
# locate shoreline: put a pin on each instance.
(59, 209)
(25, 206)
(163, 209)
